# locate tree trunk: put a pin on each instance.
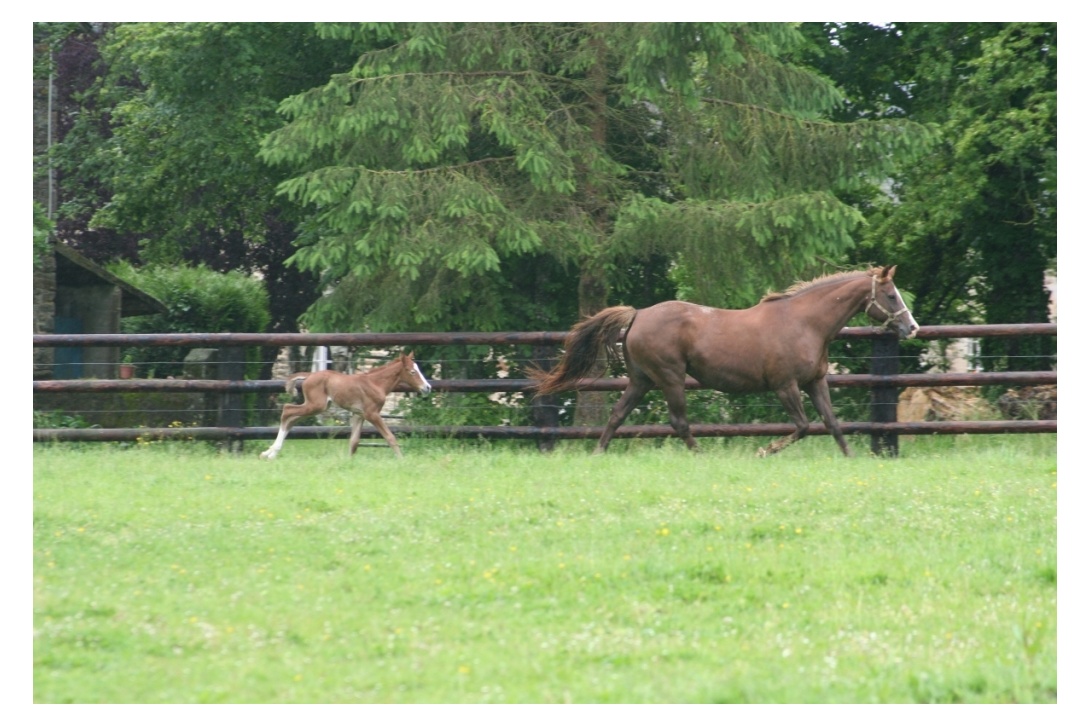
(592, 407)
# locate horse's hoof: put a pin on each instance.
(762, 453)
(266, 455)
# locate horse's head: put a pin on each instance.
(886, 305)
(411, 375)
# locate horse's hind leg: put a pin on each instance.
(819, 394)
(274, 448)
(638, 386)
(287, 419)
(354, 439)
(291, 414)
(791, 398)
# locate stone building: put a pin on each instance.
(74, 295)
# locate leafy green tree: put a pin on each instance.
(454, 154)
(43, 228)
(198, 300)
(973, 223)
(163, 148)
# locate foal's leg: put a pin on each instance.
(819, 394)
(791, 398)
(354, 439)
(291, 414)
(638, 386)
(376, 419)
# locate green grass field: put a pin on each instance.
(171, 572)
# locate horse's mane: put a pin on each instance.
(820, 281)
(396, 361)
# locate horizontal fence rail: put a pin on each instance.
(880, 430)
(648, 431)
(467, 338)
(998, 378)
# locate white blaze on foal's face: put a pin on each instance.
(425, 386)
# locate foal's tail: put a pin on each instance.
(583, 349)
(289, 385)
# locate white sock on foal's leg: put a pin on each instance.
(274, 450)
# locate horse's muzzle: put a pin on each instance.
(909, 330)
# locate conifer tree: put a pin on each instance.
(455, 152)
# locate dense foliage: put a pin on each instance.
(43, 228)
(453, 153)
(158, 153)
(198, 300)
(973, 223)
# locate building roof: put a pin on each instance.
(75, 270)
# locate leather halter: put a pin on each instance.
(890, 316)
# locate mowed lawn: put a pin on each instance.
(171, 572)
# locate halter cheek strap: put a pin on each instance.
(890, 316)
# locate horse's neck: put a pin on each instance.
(832, 306)
(385, 377)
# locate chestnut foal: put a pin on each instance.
(361, 394)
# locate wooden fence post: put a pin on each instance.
(232, 367)
(883, 399)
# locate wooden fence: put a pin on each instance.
(883, 381)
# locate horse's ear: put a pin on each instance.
(888, 271)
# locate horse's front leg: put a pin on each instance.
(674, 393)
(380, 425)
(791, 398)
(819, 394)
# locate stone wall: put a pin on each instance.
(45, 294)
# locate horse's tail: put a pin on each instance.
(289, 385)
(583, 348)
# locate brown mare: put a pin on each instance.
(361, 394)
(781, 345)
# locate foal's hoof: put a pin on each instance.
(267, 455)
(762, 452)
